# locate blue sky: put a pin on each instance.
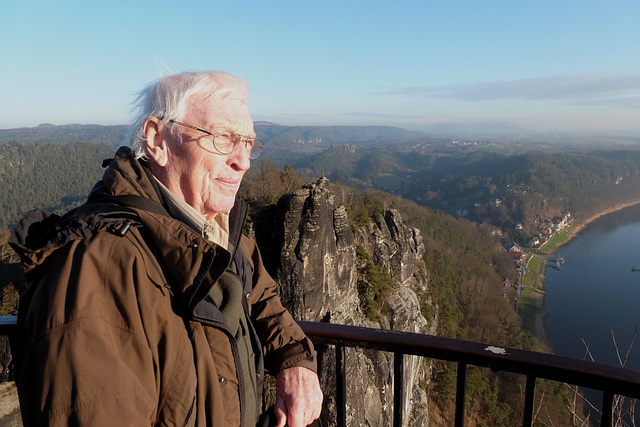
(545, 65)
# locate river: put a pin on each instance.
(595, 294)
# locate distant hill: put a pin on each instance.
(278, 135)
(478, 130)
(271, 133)
(65, 134)
(282, 136)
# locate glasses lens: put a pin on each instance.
(226, 142)
(256, 150)
(223, 142)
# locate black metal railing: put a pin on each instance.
(611, 380)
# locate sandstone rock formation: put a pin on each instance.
(311, 249)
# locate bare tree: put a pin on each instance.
(623, 408)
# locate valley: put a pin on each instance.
(465, 200)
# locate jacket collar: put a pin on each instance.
(195, 262)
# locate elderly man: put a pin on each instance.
(147, 305)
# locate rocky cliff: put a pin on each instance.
(310, 248)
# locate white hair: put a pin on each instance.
(168, 97)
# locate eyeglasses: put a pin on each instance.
(226, 142)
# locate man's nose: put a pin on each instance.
(239, 158)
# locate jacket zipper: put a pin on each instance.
(240, 375)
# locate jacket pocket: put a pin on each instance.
(190, 413)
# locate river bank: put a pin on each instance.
(534, 302)
(537, 298)
(578, 228)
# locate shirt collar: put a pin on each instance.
(216, 231)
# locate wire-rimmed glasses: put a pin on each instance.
(226, 142)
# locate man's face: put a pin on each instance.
(207, 180)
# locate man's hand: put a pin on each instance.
(298, 397)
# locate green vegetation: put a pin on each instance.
(498, 185)
(558, 240)
(11, 277)
(65, 134)
(530, 311)
(265, 182)
(364, 210)
(529, 279)
(533, 271)
(532, 287)
(50, 176)
(482, 394)
(374, 285)
(465, 268)
(482, 397)
(389, 180)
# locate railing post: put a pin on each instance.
(341, 388)
(606, 413)
(398, 388)
(529, 401)
(461, 386)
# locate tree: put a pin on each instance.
(289, 179)
(263, 182)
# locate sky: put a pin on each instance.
(570, 65)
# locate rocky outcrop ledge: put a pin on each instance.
(311, 249)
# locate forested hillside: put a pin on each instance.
(465, 265)
(466, 268)
(513, 186)
(324, 136)
(65, 134)
(50, 176)
(491, 184)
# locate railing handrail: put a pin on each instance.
(583, 373)
(612, 380)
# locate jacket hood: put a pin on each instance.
(40, 232)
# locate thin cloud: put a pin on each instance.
(622, 102)
(381, 115)
(567, 87)
(299, 115)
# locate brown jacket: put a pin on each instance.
(112, 326)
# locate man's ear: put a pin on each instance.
(156, 144)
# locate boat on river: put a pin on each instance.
(557, 263)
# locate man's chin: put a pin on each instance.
(224, 208)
